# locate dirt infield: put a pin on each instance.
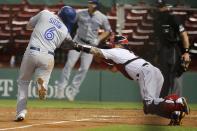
(77, 119)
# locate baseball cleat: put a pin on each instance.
(19, 119)
(21, 116)
(186, 108)
(71, 92)
(41, 90)
(176, 118)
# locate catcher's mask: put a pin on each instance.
(119, 40)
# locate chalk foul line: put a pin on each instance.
(48, 123)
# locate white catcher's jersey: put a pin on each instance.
(49, 31)
(149, 78)
(88, 26)
(120, 56)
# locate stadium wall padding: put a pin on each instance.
(98, 86)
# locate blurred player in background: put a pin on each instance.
(148, 77)
(49, 32)
(89, 22)
(172, 48)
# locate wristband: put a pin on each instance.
(86, 49)
(186, 50)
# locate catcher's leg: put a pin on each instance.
(167, 108)
(177, 116)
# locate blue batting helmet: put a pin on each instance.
(68, 16)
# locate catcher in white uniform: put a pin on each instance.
(89, 22)
(50, 31)
(148, 77)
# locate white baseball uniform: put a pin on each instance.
(48, 34)
(150, 81)
(149, 78)
(87, 34)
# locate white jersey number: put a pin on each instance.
(49, 33)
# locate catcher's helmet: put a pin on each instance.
(68, 16)
(119, 39)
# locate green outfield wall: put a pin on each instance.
(98, 86)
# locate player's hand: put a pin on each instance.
(186, 57)
(186, 60)
(77, 47)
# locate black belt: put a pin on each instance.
(85, 41)
(129, 61)
(145, 64)
(38, 49)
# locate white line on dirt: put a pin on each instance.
(48, 123)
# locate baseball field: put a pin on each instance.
(61, 115)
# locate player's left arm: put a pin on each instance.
(186, 45)
(96, 51)
(88, 49)
(104, 35)
(107, 30)
(184, 38)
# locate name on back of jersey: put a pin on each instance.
(55, 22)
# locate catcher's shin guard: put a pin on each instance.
(167, 107)
(177, 116)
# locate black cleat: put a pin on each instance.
(19, 119)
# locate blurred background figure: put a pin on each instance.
(173, 45)
(89, 22)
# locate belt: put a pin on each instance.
(85, 41)
(129, 61)
(145, 64)
(38, 49)
(137, 75)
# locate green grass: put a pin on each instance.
(141, 128)
(78, 104)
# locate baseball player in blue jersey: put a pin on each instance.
(148, 77)
(89, 22)
(49, 32)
